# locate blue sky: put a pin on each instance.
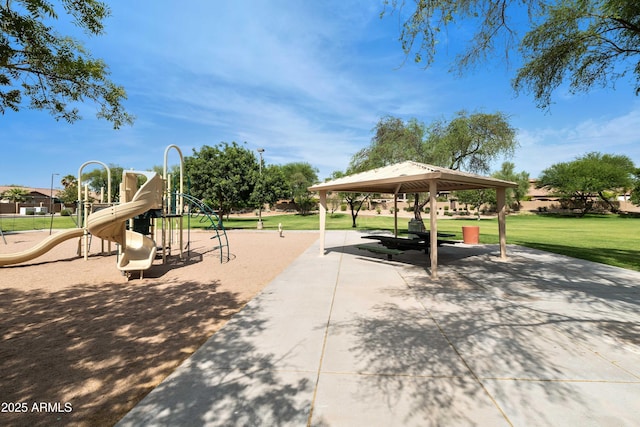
(306, 81)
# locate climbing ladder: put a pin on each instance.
(204, 214)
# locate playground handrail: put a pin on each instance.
(216, 223)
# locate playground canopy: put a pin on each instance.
(414, 177)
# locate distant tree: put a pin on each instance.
(589, 178)
(98, 181)
(513, 195)
(270, 186)
(475, 198)
(355, 201)
(68, 181)
(635, 191)
(334, 201)
(299, 176)
(586, 43)
(69, 194)
(16, 195)
(469, 142)
(55, 71)
(394, 141)
(173, 170)
(223, 176)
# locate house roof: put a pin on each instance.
(410, 177)
(42, 191)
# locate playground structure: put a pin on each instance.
(132, 223)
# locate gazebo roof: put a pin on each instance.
(410, 177)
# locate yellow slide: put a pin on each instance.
(41, 248)
(138, 250)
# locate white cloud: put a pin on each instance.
(543, 147)
(305, 80)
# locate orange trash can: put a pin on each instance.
(471, 234)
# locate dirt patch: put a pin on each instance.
(81, 345)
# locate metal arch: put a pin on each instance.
(80, 183)
(164, 172)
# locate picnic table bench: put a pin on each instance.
(420, 243)
(426, 235)
(381, 250)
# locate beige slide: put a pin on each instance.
(138, 250)
(41, 248)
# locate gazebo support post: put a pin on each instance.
(323, 218)
(395, 211)
(502, 226)
(395, 215)
(433, 227)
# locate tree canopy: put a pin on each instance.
(299, 176)
(15, 194)
(469, 142)
(394, 141)
(513, 196)
(582, 42)
(53, 71)
(223, 176)
(270, 186)
(588, 178)
(69, 193)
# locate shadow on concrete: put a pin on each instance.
(229, 381)
(491, 329)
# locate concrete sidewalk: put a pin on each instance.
(351, 339)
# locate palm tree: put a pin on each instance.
(68, 181)
(16, 195)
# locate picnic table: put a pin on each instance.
(426, 235)
(399, 242)
(396, 245)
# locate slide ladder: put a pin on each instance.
(205, 214)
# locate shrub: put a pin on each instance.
(65, 212)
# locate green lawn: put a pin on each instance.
(34, 222)
(608, 239)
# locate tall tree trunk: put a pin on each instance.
(417, 209)
(612, 207)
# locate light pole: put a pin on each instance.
(260, 151)
(51, 202)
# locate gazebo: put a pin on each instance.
(414, 177)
